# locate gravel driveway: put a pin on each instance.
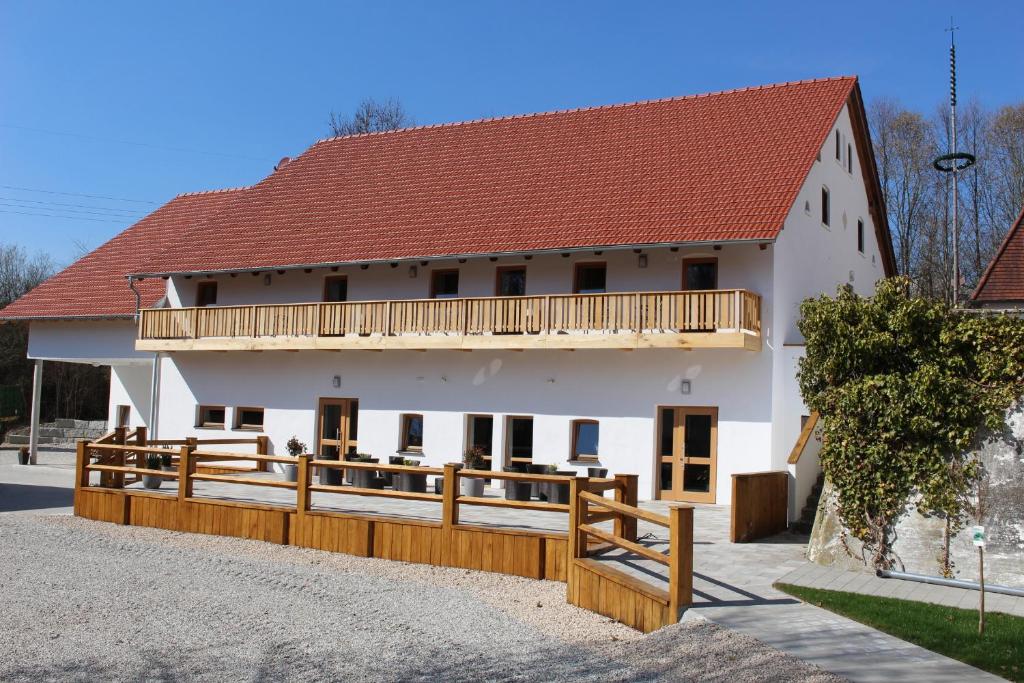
(85, 600)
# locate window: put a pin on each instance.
(860, 236)
(481, 434)
(584, 440)
(412, 433)
(444, 284)
(511, 281)
(824, 206)
(590, 278)
(210, 416)
(849, 158)
(520, 439)
(336, 288)
(839, 148)
(700, 273)
(249, 418)
(206, 294)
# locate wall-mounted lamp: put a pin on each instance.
(266, 279)
(444, 378)
(393, 265)
(684, 386)
(641, 261)
(336, 381)
(551, 380)
(413, 271)
(364, 266)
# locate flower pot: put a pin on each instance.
(350, 457)
(151, 481)
(389, 477)
(411, 482)
(364, 478)
(472, 487)
(329, 475)
(597, 472)
(558, 492)
(291, 472)
(23, 458)
(516, 490)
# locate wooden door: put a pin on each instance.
(687, 453)
(337, 424)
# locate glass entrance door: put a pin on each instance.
(687, 454)
(337, 425)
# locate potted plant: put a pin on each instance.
(167, 462)
(366, 478)
(153, 462)
(295, 449)
(412, 482)
(23, 458)
(391, 478)
(473, 459)
(558, 492)
(514, 489)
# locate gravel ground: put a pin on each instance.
(84, 601)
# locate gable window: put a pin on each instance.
(590, 278)
(511, 281)
(519, 439)
(700, 273)
(206, 293)
(412, 432)
(444, 284)
(849, 158)
(824, 206)
(860, 236)
(584, 440)
(336, 288)
(839, 148)
(249, 418)
(211, 417)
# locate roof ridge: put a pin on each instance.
(222, 190)
(597, 107)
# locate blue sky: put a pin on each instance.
(212, 94)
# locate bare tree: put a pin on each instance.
(1005, 145)
(371, 116)
(20, 272)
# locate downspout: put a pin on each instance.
(138, 297)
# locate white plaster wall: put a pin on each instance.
(620, 390)
(93, 341)
(130, 386)
(739, 266)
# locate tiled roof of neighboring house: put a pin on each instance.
(718, 167)
(1003, 280)
(95, 286)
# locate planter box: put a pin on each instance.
(517, 490)
(472, 487)
(411, 482)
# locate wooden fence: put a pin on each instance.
(689, 311)
(760, 504)
(448, 542)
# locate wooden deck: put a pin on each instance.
(631, 320)
(563, 543)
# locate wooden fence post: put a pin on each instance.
(185, 468)
(81, 474)
(577, 513)
(302, 499)
(450, 494)
(680, 550)
(626, 492)
(262, 448)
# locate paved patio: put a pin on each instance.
(732, 582)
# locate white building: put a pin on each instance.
(614, 287)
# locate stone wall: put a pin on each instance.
(919, 539)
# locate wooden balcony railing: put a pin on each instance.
(690, 312)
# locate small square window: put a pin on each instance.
(584, 440)
(335, 288)
(210, 416)
(206, 294)
(249, 418)
(839, 147)
(591, 278)
(444, 284)
(412, 433)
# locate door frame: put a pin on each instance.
(676, 493)
(345, 441)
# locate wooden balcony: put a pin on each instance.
(631, 320)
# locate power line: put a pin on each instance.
(78, 194)
(81, 206)
(74, 218)
(76, 211)
(133, 143)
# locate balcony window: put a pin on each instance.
(206, 294)
(211, 417)
(412, 433)
(444, 284)
(584, 440)
(511, 281)
(700, 274)
(249, 418)
(590, 278)
(336, 288)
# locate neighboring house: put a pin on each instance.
(616, 286)
(1002, 284)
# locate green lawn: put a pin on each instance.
(946, 630)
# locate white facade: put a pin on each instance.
(755, 392)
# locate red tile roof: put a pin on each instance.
(1003, 280)
(725, 166)
(95, 285)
